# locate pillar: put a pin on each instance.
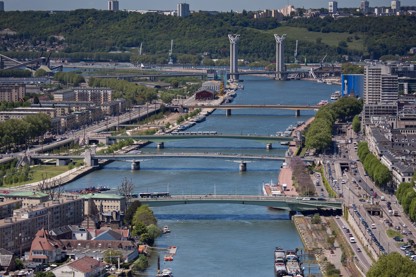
(280, 59)
(233, 56)
(160, 145)
(269, 146)
(297, 113)
(243, 167)
(135, 165)
(228, 112)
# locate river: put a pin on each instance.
(226, 239)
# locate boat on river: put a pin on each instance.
(287, 263)
(323, 102)
(335, 95)
(165, 230)
(270, 189)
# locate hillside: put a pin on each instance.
(78, 34)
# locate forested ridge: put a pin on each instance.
(94, 31)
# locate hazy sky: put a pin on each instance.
(214, 5)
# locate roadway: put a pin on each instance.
(282, 202)
(233, 107)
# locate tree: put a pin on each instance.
(112, 256)
(141, 264)
(356, 124)
(132, 208)
(392, 264)
(126, 189)
(139, 229)
(153, 231)
(144, 215)
(45, 274)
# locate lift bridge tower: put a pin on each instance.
(280, 58)
(233, 56)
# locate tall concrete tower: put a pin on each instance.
(182, 10)
(332, 7)
(113, 5)
(233, 56)
(280, 57)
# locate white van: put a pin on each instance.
(352, 239)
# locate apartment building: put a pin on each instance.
(12, 93)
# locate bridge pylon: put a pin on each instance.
(233, 56)
(280, 58)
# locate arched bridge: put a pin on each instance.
(281, 202)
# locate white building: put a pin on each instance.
(395, 6)
(364, 7)
(332, 7)
(182, 10)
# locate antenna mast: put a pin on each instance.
(296, 52)
(170, 52)
(141, 47)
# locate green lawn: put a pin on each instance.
(393, 233)
(332, 39)
(42, 171)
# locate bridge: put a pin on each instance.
(136, 158)
(196, 135)
(152, 76)
(280, 202)
(228, 108)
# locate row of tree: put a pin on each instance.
(378, 172)
(301, 177)
(21, 132)
(69, 78)
(319, 133)
(406, 196)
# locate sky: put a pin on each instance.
(196, 5)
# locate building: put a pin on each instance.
(45, 249)
(182, 10)
(18, 231)
(1, 6)
(364, 7)
(95, 94)
(113, 5)
(333, 7)
(352, 84)
(7, 207)
(103, 202)
(64, 95)
(288, 10)
(12, 93)
(379, 85)
(395, 6)
(28, 198)
(204, 95)
(83, 267)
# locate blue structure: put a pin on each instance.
(352, 83)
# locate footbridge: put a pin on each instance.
(228, 108)
(281, 202)
(136, 158)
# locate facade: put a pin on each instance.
(212, 85)
(64, 95)
(379, 85)
(365, 7)
(18, 231)
(12, 93)
(95, 95)
(27, 198)
(1, 6)
(103, 202)
(352, 84)
(113, 5)
(395, 6)
(332, 7)
(204, 94)
(7, 207)
(45, 249)
(182, 10)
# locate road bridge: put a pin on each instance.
(281, 202)
(137, 158)
(152, 76)
(228, 108)
(160, 139)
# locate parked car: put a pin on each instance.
(397, 238)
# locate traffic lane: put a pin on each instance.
(357, 247)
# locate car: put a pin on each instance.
(373, 226)
(358, 249)
(405, 247)
(352, 240)
(398, 238)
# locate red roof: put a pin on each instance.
(86, 264)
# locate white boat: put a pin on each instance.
(166, 272)
(270, 189)
(323, 102)
(165, 230)
(336, 95)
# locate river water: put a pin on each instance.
(222, 240)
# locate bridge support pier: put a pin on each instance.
(135, 165)
(291, 214)
(61, 162)
(297, 113)
(243, 167)
(269, 146)
(228, 112)
(161, 145)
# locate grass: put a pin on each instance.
(393, 233)
(328, 187)
(332, 39)
(38, 172)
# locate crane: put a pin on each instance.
(296, 52)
